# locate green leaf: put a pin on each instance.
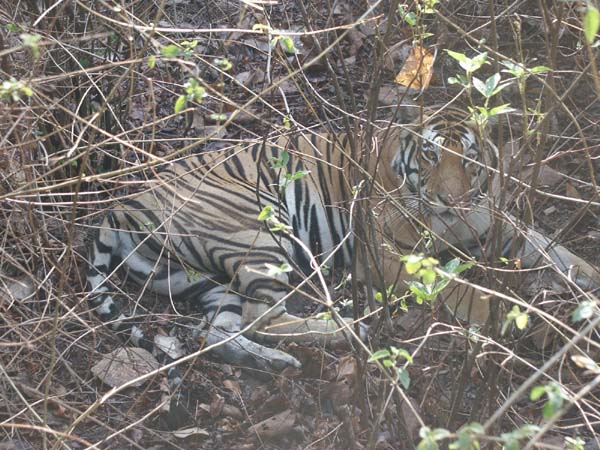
(502, 109)
(460, 57)
(480, 86)
(516, 70)
(575, 443)
(540, 69)
(412, 267)
(261, 27)
(404, 377)
(475, 63)
(379, 354)
(152, 61)
(14, 28)
(591, 23)
(408, 16)
(459, 79)
(428, 276)
(491, 84)
(429, 6)
(218, 117)
(283, 227)
(404, 353)
(281, 162)
(224, 63)
(287, 43)
(521, 321)
(287, 122)
(180, 104)
(537, 393)
(584, 311)
(273, 270)
(548, 410)
(296, 175)
(170, 51)
(266, 213)
(470, 65)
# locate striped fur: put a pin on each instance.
(194, 232)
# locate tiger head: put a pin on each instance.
(445, 166)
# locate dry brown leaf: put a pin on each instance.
(123, 365)
(410, 419)
(277, 425)
(547, 176)
(339, 392)
(170, 345)
(417, 69)
(233, 386)
(17, 289)
(233, 412)
(250, 78)
(542, 335)
(216, 406)
(572, 191)
(347, 368)
(187, 432)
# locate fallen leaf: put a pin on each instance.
(216, 406)
(542, 335)
(123, 365)
(15, 444)
(233, 386)
(548, 176)
(347, 368)
(169, 345)
(339, 392)
(396, 55)
(585, 362)
(17, 289)
(391, 94)
(410, 414)
(250, 78)
(187, 432)
(232, 411)
(275, 426)
(572, 192)
(417, 69)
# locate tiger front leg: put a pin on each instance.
(537, 249)
(265, 312)
(222, 333)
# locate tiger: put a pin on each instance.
(194, 232)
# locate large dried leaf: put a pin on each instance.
(233, 386)
(275, 426)
(170, 345)
(17, 289)
(123, 365)
(189, 432)
(347, 368)
(417, 69)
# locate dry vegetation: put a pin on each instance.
(87, 106)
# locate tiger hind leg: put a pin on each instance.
(113, 246)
